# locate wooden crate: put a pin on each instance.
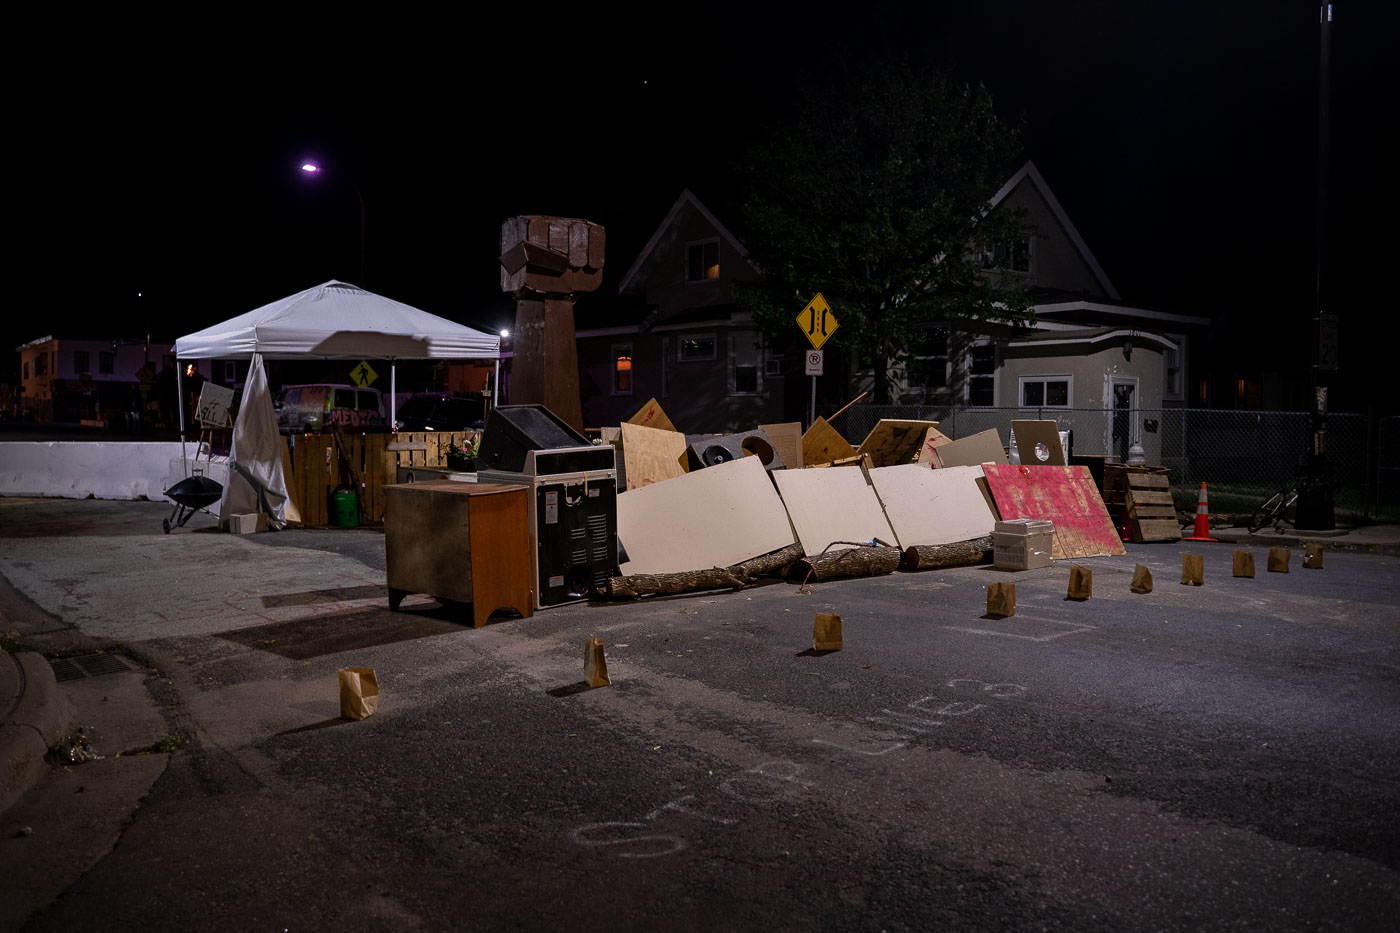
(1141, 498)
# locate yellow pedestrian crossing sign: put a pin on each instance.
(363, 374)
(817, 321)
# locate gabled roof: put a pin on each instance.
(687, 202)
(1031, 173)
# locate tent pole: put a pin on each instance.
(496, 389)
(180, 402)
(393, 396)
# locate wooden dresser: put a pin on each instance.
(462, 542)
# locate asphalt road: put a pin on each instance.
(1197, 758)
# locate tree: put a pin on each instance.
(877, 195)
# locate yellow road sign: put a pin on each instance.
(363, 374)
(817, 321)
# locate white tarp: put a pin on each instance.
(338, 321)
(255, 479)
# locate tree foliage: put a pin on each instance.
(877, 195)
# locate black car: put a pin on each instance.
(442, 411)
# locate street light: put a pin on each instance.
(313, 168)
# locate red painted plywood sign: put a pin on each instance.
(1063, 495)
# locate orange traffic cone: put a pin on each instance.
(1202, 530)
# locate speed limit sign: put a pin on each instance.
(814, 362)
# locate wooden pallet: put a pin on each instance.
(1140, 498)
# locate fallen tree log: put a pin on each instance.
(736, 577)
(768, 563)
(850, 562)
(644, 584)
(939, 556)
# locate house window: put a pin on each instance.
(665, 367)
(1014, 256)
(104, 363)
(702, 261)
(230, 372)
(745, 363)
(26, 369)
(1046, 391)
(41, 364)
(928, 360)
(982, 374)
(1174, 369)
(773, 366)
(80, 361)
(622, 369)
(697, 347)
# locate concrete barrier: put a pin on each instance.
(82, 469)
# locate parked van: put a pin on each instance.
(312, 408)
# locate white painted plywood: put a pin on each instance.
(834, 504)
(715, 517)
(933, 506)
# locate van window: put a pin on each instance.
(345, 398)
(292, 397)
(368, 400)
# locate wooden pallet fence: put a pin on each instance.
(314, 465)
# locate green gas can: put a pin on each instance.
(344, 508)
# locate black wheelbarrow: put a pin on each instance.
(190, 495)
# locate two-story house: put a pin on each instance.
(677, 334)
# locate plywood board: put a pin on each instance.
(1038, 443)
(1064, 495)
(894, 441)
(933, 506)
(973, 450)
(716, 517)
(823, 444)
(933, 439)
(832, 505)
(651, 455)
(650, 415)
(787, 441)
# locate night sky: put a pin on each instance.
(1180, 137)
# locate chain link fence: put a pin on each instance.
(1243, 456)
(1387, 501)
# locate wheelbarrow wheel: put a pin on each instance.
(165, 523)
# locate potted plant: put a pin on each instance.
(462, 457)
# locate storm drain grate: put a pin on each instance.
(91, 665)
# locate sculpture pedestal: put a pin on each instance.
(545, 366)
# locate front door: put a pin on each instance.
(1124, 416)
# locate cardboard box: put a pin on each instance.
(243, 524)
(1022, 544)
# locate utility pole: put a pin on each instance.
(1315, 510)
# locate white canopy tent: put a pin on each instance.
(336, 320)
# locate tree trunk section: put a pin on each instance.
(735, 577)
(940, 556)
(851, 562)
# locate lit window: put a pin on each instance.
(702, 261)
(622, 369)
(697, 347)
(1046, 391)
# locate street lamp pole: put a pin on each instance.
(314, 168)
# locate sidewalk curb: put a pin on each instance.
(1349, 541)
(37, 722)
